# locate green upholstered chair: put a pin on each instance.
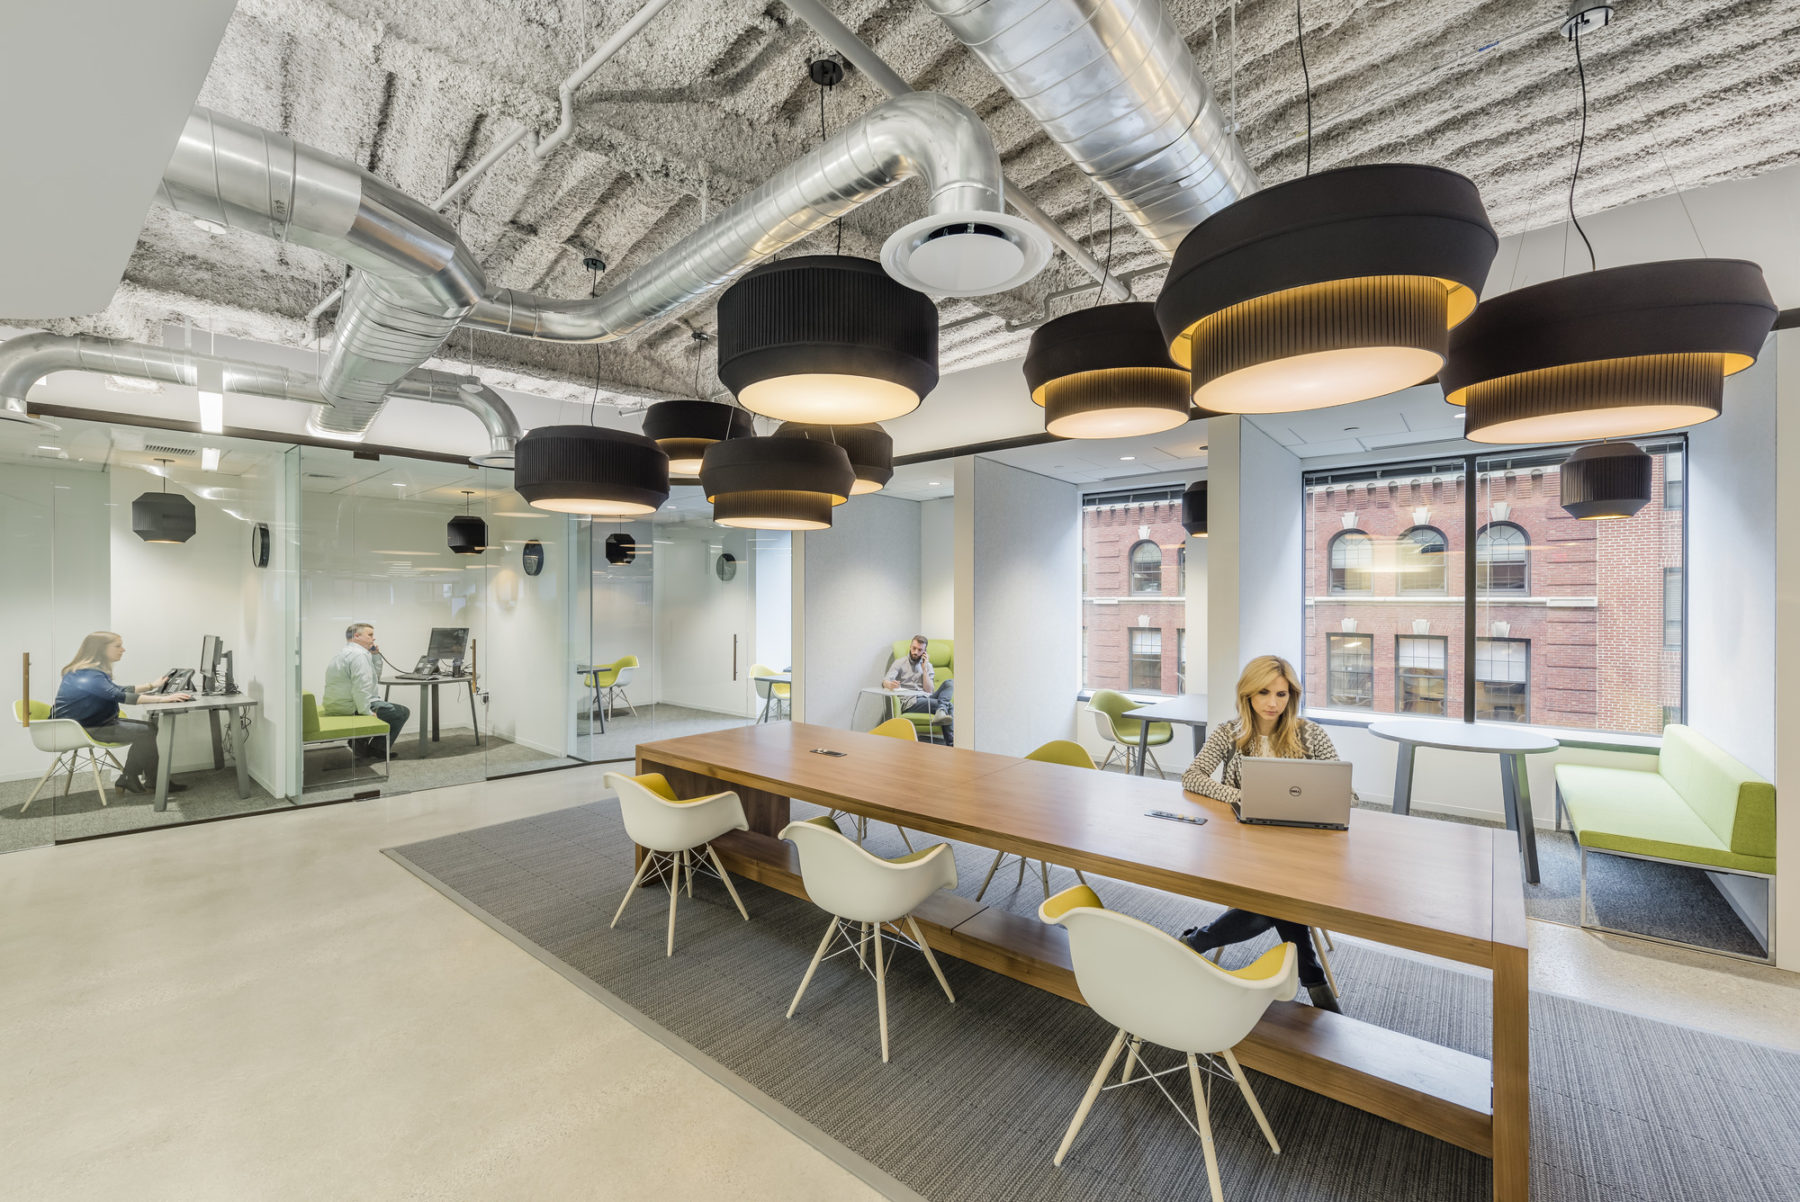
(1056, 751)
(941, 654)
(316, 727)
(1109, 708)
(67, 740)
(609, 680)
(1700, 807)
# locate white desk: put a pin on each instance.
(1189, 709)
(876, 690)
(429, 706)
(1511, 743)
(235, 704)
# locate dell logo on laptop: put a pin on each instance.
(1293, 790)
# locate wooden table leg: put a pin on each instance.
(1512, 1032)
(1403, 772)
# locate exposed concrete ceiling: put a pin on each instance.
(713, 96)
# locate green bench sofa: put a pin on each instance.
(1700, 808)
(316, 727)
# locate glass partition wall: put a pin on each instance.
(143, 555)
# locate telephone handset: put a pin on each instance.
(179, 680)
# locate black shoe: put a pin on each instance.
(177, 787)
(1191, 937)
(1323, 998)
(130, 784)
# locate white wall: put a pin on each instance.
(1254, 554)
(858, 592)
(621, 610)
(1024, 637)
(698, 617)
(937, 567)
(772, 575)
(1787, 650)
(526, 673)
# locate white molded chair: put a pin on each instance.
(69, 741)
(1155, 989)
(671, 830)
(1321, 939)
(859, 887)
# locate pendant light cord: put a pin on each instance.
(1580, 146)
(840, 220)
(594, 403)
(1112, 212)
(1306, 76)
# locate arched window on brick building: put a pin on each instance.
(1351, 556)
(1424, 555)
(1501, 561)
(1146, 568)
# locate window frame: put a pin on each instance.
(1400, 674)
(1404, 542)
(1679, 596)
(1133, 658)
(1132, 569)
(1484, 564)
(1332, 639)
(1332, 586)
(1477, 680)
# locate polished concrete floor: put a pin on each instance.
(272, 1009)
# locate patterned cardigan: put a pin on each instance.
(1221, 749)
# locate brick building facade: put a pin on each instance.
(1577, 623)
(1133, 604)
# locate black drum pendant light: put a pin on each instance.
(466, 533)
(871, 450)
(1105, 373)
(1328, 289)
(776, 483)
(684, 429)
(1193, 509)
(163, 517)
(827, 339)
(1606, 480)
(1608, 354)
(591, 470)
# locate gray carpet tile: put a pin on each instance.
(211, 793)
(979, 1093)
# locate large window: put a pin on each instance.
(1442, 587)
(1500, 562)
(1420, 560)
(1352, 560)
(1503, 680)
(1146, 659)
(1146, 569)
(1350, 673)
(1131, 607)
(1422, 674)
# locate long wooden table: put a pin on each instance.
(1446, 889)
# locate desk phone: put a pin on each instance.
(179, 680)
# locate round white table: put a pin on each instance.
(1511, 743)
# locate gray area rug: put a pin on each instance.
(978, 1094)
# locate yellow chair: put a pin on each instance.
(1109, 708)
(893, 728)
(941, 655)
(608, 682)
(1056, 751)
(1154, 989)
(67, 740)
(864, 892)
(673, 832)
(776, 695)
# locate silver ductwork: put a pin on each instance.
(921, 135)
(1114, 84)
(415, 278)
(27, 359)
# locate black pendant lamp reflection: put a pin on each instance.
(1193, 509)
(827, 339)
(466, 533)
(776, 483)
(1105, 373)
(871, 450)
(163, 517)
(621, 548)
(1606, 480)
(1608, 354)
(591, 470)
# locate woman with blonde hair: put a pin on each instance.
(89, 696)
(1268, 725)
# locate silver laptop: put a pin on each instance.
(1278, 792)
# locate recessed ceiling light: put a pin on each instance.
(933, 484)
(1126, 458)
(42, 447)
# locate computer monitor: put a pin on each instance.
(210, 647)
(447, 642)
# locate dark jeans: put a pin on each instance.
(391, 712)
(1235, 926)
(140, 760)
